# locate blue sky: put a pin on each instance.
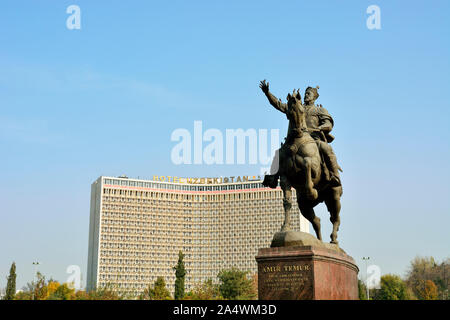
(104, 100)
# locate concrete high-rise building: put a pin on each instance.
(137, 227)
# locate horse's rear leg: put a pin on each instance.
(307, 211)
(287, 203)
(333, 203)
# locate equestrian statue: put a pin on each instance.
(306, 161)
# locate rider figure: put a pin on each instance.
(318, 121)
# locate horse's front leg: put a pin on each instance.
(287, 203)
(307, 210)
(333, 203)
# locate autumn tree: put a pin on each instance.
(180, 273)
(58, 291)
(11, 284)
(82, 295)
(235, 285)
(426, 268)
(38, 289)
(428, 291)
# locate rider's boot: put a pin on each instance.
(335, 181)
(331, 162)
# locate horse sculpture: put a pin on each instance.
(301, 167)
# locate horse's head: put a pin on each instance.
(296, 110)
(294, 100)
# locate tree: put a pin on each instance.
(37, 289)
(23, 295)
(180, 273)
(254, 279)
(428, 291)
(106, 292)
(392, 287)
(235, 285)
(426, 268)
(58, 291)
(82, 295)
(52, 286)
(11, 284)
(147, 294)
(421, 269)
(362, 290)
(157, 292)
(208, 290)
(160, 290)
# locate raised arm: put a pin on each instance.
(276, 103)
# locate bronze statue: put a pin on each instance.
(306, 160)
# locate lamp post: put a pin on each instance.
(35, 264)
(367, 278)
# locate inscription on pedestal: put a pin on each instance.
(285, 280)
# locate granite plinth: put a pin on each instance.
(306, 273)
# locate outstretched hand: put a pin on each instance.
(264, 86)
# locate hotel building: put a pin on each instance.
(137, 227)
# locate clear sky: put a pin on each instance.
(104, 100)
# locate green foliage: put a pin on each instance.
(392, 288)
(53, 290)
(362, 290)
(205, 291)
(37, 289)
(157, 292)
(82, 295)
(160, 290)
(180, 273)
(426, 279)
(11, 284)
(23, 295)
(107, 292)
(235, 285)
(62, 292)
(40, 289)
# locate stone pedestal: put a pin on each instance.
(319, 271)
